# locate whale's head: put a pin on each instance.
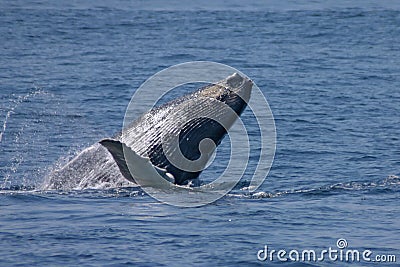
(234, 91)
(172, 136)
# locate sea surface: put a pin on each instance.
(330, 71)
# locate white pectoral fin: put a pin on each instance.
(137, 168)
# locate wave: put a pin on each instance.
(390, 183)
(105, 190)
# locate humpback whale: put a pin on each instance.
(193, 121)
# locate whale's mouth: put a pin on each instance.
(193, 125)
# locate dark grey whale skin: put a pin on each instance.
(105, 161)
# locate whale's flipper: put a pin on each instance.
(142, 168)
(117, 151)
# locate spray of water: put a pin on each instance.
(16, 102)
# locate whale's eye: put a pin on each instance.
(223, 97)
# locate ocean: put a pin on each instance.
(330, 71)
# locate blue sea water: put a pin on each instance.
(329, 69)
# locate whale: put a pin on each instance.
(196, 123)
